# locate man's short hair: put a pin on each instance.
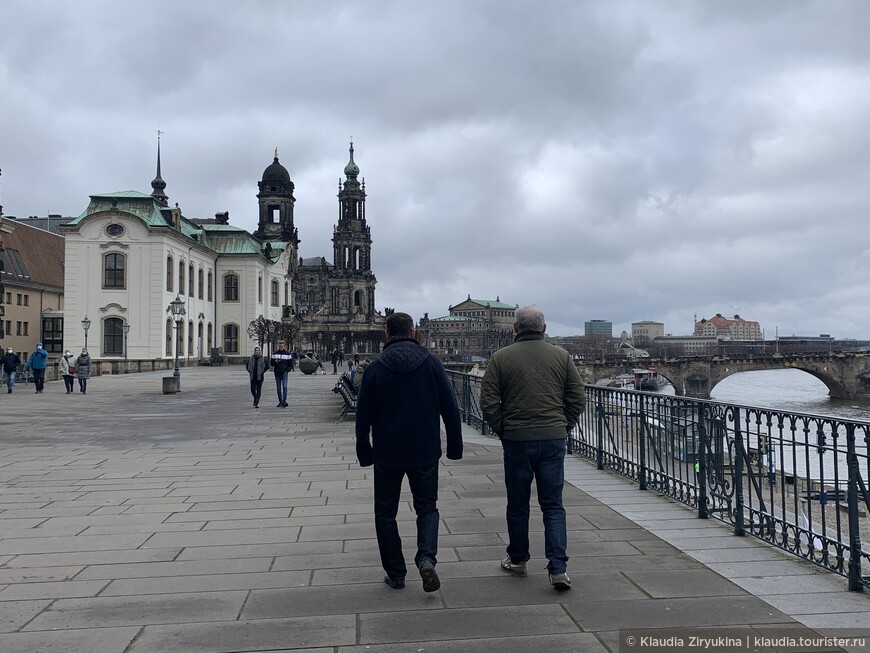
(400, 325)
(530, 318)
(282, 342)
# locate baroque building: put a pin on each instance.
(335, 301)
(473, 328)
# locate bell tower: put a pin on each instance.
(276, 205)
(352, 239)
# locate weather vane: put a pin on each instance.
(160, 132)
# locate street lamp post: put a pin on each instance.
(86, 324)
(176, 306)
(126, 329)
(320, 346)
(270, 328)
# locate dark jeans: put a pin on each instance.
(39, 378)
(281, 383)
(424, 490)
(256, 389)
(83, 384)
(543, 461)
(68, 382)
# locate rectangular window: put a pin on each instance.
(190, 281)
(274, 293)
(25, 330)
(27, 300)
(18, 299)
(52, 334)
(200, 283)
(18, 328)
(113, 273)
(209, 286)
(231, 288)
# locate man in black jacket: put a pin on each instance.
(403, 397)
(280, 362)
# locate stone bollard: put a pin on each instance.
(170, 385)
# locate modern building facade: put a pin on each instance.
(602, 328)
(645, 331)
(474, 327)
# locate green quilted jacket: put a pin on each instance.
(531, 390)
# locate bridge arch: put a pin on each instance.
(835, 388)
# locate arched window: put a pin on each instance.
(286, 294)
(357, 298)
(260, 290)
(113, 271)
(200, 279)
(190, 279)
(210, 281)
(113, 337)
(169, 327)
(180, 277)
(274, 292)
(190, 350)
(231, 338)
(210, 345)
(181, 338)
(312, 298)
(199, 331)
(170, 271)
(231, 288)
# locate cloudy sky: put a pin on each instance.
(607, 160)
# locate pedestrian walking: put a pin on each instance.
(334, 362)
(11, 361)
(37, 362)
(257, 367)
(83, 370)
(68, 370)
(531, 396)
(280, 364)
(404, 396)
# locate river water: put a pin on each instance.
(788, 390)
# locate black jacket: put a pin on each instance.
(10, 362)
(404, 395)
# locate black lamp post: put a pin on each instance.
(320, 345)
(270, 328)
(126, 329)
(176, 306)
(86, 324)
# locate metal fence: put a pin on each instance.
(797, 481)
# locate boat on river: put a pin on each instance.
(648, 380)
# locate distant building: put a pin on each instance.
(684, 345)
(644, 332)
(31, 303)
(734, 329)
(598, 328)
(474, 327)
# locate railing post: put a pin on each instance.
(644, 427)
(738, 476)
(599, 444)
(701, 463)
(855, 579)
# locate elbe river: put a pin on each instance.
(787, 390)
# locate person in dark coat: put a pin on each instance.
(257, 367)
(281, 359)
(11, 361)
(83, 370)
(403, 397)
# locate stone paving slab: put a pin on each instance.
(282, 556)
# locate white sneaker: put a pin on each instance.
(515, 568)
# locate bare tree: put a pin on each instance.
(258, 330)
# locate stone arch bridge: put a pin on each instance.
(846, 374)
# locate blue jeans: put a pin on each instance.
(10, 380)
(543, 461)
(424, 490)
(281, 383)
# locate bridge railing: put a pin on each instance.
(797, 481)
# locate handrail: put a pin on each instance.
(797, 481)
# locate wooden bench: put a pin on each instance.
(346, 389)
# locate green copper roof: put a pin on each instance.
(493, 303)
(455, 318)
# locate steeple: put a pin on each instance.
(351, 170)
(158, 184)
(351, 237)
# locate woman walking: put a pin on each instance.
(83, 370)
(67, 370)
(257, 367)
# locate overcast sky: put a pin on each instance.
(604, 160)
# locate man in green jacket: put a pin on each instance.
(531, 397)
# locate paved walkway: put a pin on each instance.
(134, 521)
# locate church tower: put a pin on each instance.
(352, 240)
(276, 205)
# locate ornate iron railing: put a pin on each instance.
(797, 481)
